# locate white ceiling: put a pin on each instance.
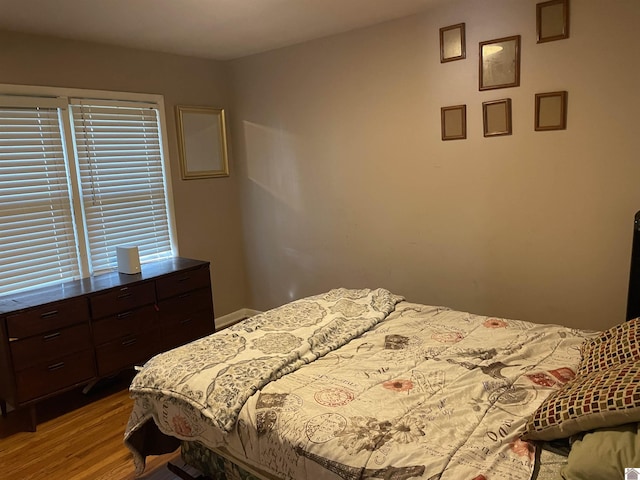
(218, 29)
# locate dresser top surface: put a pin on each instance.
(53, 293)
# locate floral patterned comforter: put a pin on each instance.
(423, 392)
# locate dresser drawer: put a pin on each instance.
(189, 320)
(127, 351)
(122, 299)
(186, 303)
(49, 377)
(182, 282)
(45, 347)
(47, 318)
(183, 329)
(125, 323)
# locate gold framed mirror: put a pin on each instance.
(202, 141)
(500, 63)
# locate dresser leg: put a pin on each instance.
(87, 388)
(3, 407)
(34, 418)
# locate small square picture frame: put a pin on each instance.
(551, 111)
(453, 43)
(552, 20)
(496, 117)
(453, 120)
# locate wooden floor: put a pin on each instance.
(79, 437)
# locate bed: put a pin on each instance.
(362, 384)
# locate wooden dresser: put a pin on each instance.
(56, 338)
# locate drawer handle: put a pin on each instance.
(186, 320)
(131, 341)
(124, 314)
(56, 366)
(184, 295)
(51, 336)
(125, 295)
(50, 314)
(184, 279)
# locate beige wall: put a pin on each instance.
(345, 181)
(207, 211)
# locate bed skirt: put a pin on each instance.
(218, 466)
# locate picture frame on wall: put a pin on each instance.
(202, 142)
(499, 63)
(496, 116)
(453, 120)
(551, 111)
(552, 20)
(452, 43)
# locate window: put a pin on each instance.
(80, 175)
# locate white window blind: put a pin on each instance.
(121, 169)
(81, 172)
(37, 241)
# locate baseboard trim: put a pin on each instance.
(234, 317)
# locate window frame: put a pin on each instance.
(64, 97)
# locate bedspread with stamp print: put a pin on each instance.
(216, 374)
(427, 393)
